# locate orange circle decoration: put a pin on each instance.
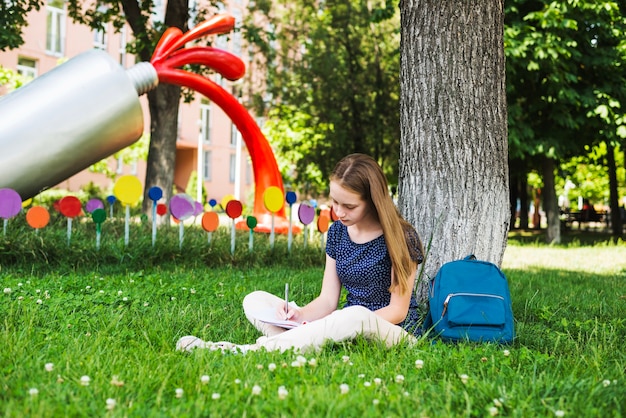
(37, 217)
(273, 199)
(234, 209)
(323, 222)
(210, 221)
(70, 206)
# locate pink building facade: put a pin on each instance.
(208, 142)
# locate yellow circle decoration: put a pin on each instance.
(127, 190)
(273, 199)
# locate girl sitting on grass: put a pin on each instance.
(372, 252)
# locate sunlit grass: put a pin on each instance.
(117, 319)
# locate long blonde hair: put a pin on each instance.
(361, 174)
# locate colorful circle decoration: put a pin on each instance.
(155, 193)
(210, 221)
(70, 206)
(273, 199)
(27, 202)
(10, 203)
(198, 209)
(98, 215)
(161, 209)
(306, 213)
(111, 199)
(251, 222)
(212, 203)
(291, 197)
(94, 204)
(225, 200)
(182, 206)
(323, 221)
(127, 189)
(234, 209)
(37, 217)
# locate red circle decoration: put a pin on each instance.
(70, 206)
(234, 209)
(161, 209)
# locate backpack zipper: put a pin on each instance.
(451, 295)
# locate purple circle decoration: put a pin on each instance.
(182, 206)
(10, 203)
(306, 213)
(93, 204)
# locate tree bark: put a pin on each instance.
(453, 182)
(550, 201)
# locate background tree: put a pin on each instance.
(565, 84)
(453, 156)
(331, 83)
(13, 19)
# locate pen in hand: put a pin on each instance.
(286, 300)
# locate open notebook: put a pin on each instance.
(268, 316)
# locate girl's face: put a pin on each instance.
(347, 205)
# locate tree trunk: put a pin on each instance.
(616, 218)
(550, 202)
(453, 180)
(163, 103)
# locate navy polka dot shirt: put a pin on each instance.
(364, 270)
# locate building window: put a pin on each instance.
(233, 134)
(27, 68)
(56, 27)
(206, 165)
(123, 46)
(233, 168)
(100, 39)
(205, 121)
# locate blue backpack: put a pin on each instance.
(470, 301)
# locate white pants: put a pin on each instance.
(341, 325)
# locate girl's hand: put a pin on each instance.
(293, 314)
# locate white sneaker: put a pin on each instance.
(189, 343)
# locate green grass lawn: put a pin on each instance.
(89, 333)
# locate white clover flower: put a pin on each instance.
(110, 403)
(301, 360)
(606, 382)
(205, 379)
(131, 281)
(282, 392)
(7, 290)
(179, 392)
(20, 284)
(215, 396)
(116, 382)
(38, 291)
(259, 367)
(367, 384)
(296, 363)
(271, 367)
(344, 388)
(493, 411)
(119, 293)
(506, 353)
(419, 364)
(498, 402)
(125, 299)
(375, 402)
(399, 378)
(101, 292)
(39, 301)
(145, 304)
(237, 381)
(345, 359)
(193, 291)
(89, 288)
(313, 362)
(464, 378)
(377, 381)
(559, 413)
(256, 390)
(49, 367)
(85, 380)
(173, 298)
(33, 391)
(20, 298)
(406, 393)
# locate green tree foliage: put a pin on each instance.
(13, 20)
(332, 83)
